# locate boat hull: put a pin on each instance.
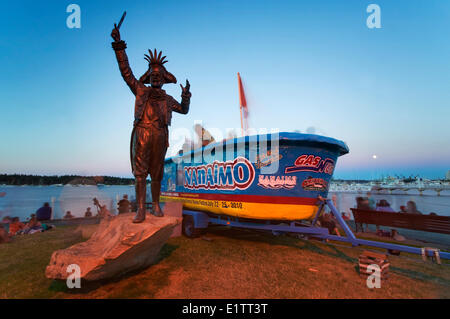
(258, 207)
(280, 182)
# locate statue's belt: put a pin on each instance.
(151, 125)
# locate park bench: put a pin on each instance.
(428, 223)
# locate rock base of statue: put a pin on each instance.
(118, 246)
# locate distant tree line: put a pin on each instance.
(20, 179)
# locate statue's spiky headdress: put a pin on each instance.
(155, 59)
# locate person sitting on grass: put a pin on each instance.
(88, 212)
(33, 222)
(15, 226)
(5, 222)
(124, 205)
(33, 225)
(4, 238)
(102, 210)
(68, 215)
(326, 220)
(344, 216)
(44, 213)
(396, 236)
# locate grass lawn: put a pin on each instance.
(230, 264)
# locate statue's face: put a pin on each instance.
(156, 77)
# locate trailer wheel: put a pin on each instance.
(188, 227)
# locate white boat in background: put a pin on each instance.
(391, 185)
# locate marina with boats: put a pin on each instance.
(395, 185)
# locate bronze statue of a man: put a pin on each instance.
(152, 116)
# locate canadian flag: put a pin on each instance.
(243, 106)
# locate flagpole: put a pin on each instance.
(242, 123)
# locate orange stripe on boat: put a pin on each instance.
(247, 198)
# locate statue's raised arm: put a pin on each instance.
(119, 47)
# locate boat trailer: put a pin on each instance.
(196, 221)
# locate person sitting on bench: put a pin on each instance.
(362, 203)
(384, 206)
(411, 208)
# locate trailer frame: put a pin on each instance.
(201, 220)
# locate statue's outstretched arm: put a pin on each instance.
(183, 107)
(119, 47)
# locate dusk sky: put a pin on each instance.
(312, 66)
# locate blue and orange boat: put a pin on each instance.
(264, 177)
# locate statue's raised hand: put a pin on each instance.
(185, 90)
(115, 34)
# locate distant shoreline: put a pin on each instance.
(42, 180)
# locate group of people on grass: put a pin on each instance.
(12, 226)
(123, 206)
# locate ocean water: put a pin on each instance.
(22, 201)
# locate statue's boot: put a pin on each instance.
(140, 187)
(156, 190)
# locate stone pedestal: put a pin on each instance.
(118, 246)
